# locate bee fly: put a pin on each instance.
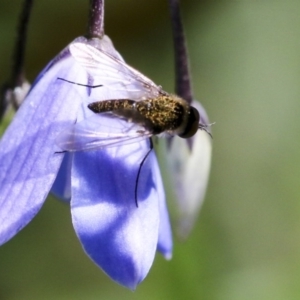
(154, 109)
(163, 114)
(150, 110)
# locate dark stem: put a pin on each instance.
(19, 51)
(96, 19)
(17, 76)
(183, 83)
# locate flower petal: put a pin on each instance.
(165, 241)
(116, 234)
(28, 162)
(62, 185)
(189, 167)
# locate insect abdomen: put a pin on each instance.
(111, 105)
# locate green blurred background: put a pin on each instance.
(246, 72)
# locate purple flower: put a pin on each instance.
(116, 234)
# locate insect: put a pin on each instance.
(146, 109)
(150, 111)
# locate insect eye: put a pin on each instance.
(192, 123)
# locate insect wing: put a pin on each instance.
(110, 71)
(100, 131)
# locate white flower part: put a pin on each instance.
(20, 92)
(189, 169)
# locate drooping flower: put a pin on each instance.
(189, 164)
(116, 233)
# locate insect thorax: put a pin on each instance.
(164, 113)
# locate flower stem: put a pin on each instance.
(96, 19)
(183, 82)
(17, 74)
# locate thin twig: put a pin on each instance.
(17, 75)
(183, 86)
(96, 19)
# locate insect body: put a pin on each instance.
(143, 105)
(165, 113)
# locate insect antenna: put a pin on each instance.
(81, 84)
(205, 126)
(139, 172)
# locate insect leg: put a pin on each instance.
(81, 84)
(139, 172)
(60, 152)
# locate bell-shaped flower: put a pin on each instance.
(189, 167)
(115, 189)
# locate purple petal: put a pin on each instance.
(62, 185)
(117, 235)
(28, 162)
(165, 242)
